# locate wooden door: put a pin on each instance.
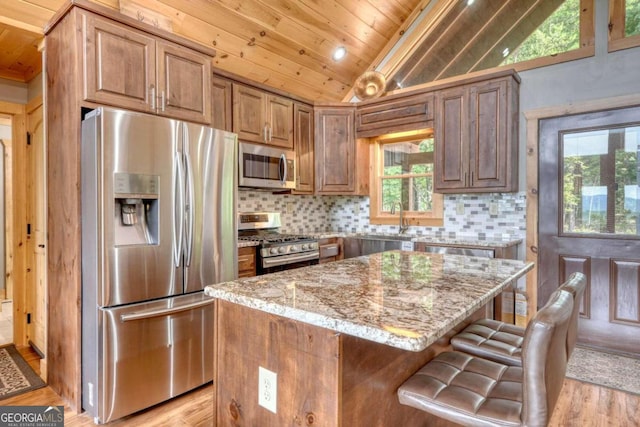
(221, 104)
(249, 120)
(335, 150)
(589, 201)
(184, 83)
(119, 65)
(488, 154)
(37, 285)
(303, 121)
(280, 121)
(452, 140)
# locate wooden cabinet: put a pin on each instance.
(247, 261)
(476, 135)
(221, 104)
(128, 68)
(342, 162)
(331, 249)
(303, 144)
(262, 117)
(395, 114)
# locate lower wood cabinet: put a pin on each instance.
(331, 249)
(247, 261)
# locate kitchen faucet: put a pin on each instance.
(404, 224)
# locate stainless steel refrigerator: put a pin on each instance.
(158, 224)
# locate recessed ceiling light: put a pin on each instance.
(470, 2)
(339, 53)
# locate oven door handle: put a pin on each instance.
(289, 259)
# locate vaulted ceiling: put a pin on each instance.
(288, 44)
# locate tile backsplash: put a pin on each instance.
(491, 216)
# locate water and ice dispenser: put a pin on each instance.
(136, 214)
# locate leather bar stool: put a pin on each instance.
(502, 342)
(473, 391)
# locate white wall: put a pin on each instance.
(605, 75)
(14, 92)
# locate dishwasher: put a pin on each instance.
(512, 302)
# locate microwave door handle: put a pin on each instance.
(283, 169)
(178, 203)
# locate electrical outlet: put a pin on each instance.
(356, 208)
(460, 208)
(267, 389)
(493, 208)
(291, 207)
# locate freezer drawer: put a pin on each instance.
(143, 354)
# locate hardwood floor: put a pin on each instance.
(580, 405)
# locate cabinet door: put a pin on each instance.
(249, 120)
(280, 121)
(303, 121)
(221, 106)
(184, 83)
(119, 64)
(452, 140)
(335, 150)
(488, 151)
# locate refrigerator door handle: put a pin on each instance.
(189, 202)
(178, 201)
(164, 311)
(283, 169)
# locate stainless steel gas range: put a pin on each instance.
(276, 251)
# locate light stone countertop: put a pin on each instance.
(436, 240)
(403, 299)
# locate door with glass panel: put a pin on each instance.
(589, 169)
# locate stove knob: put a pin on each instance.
(305, 246)
(295, 248)
(282, 249)
(273, 251)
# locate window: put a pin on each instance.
(600, 181)
(559, 33)
(402, 180)
(624, 24)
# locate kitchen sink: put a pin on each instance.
(367, 244)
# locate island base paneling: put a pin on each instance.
(323, 378)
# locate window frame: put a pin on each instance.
(617, 38)
(377, 216)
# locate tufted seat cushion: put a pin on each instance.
(492, 339)
(473, 391)
(502, 342)
(488, 392)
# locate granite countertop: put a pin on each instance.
(440, 240)
(447, 241)
(403, 299)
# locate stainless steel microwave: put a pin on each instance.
(261, 166)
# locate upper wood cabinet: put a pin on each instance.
(342, 162)
(262, 117)
(221, 104)
(396, 114)
(128, 68)
(303, 144)
(476, 132)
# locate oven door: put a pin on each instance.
(287, 262)
(265, 167)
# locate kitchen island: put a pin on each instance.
(336, 340)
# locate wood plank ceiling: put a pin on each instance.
(287, 44)
(284, 44)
